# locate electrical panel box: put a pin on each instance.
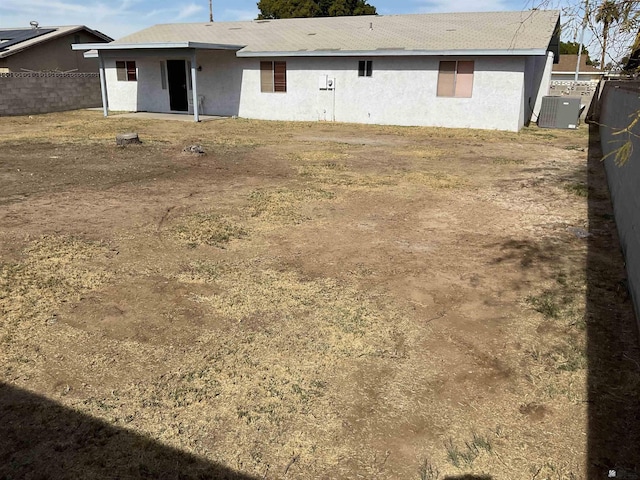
(326, 83)
(560, 112)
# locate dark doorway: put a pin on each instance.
(177, 73)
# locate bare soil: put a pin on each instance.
(304, 300)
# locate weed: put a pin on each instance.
(552, 471)
(464, 457)
(545, 303)
(453, 454)
(578, 188)
(507, 161)
(570, 357)
(428, 471)
(481, 443)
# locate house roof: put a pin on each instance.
(14, 40)
(488, 33)
(567, 64)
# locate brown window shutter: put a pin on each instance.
(121, 70)
(369, 67)
(131, 72)
(280, 76)
(447, 79)
(464, 79)
(266, 76)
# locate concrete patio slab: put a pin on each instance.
(186, 117)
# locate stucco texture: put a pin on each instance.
(401, 90)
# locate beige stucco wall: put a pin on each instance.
(53, 55)
(402, 90)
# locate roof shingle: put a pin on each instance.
(487, 31)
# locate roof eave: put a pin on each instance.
(154, 46)
(394, 53)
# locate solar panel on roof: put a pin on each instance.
(18, 36)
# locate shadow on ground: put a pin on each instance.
(613, 347)
(40, 439)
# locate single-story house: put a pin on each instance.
(563, 78)
(565, 70)
(464, 70)
(38, 49)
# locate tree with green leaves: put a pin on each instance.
(270, 9)
(612, 25)
(572, 48)
(608, 13)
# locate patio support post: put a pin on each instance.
(194, 87)
(103, 87)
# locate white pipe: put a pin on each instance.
(194, 87)
(584, 27)
(103, 87)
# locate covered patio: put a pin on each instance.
(182, 86)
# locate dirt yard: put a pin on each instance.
(304, 301)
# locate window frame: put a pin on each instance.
(273, 76)
(126, 71)
(365, 68)
(462, 78)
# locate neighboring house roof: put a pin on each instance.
(567, 64)
(14, 40)
(488, 33)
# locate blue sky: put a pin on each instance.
(117, 18)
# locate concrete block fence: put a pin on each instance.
(44, 92)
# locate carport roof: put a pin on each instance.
(487, 33)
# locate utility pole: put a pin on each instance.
(585, 22)
(210, 11)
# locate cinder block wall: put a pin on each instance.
(30, 93)
(620, 103)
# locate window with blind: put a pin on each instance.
(455, 79)
(365, 68)
(126, 71)
(273, 76)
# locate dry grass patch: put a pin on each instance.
(399, 321)
(435, 180)
(316, 156)
(507, 161)
(269, 370)
(337, 175)
(285, 205)
(55, 270)
(207, 228)
(429, 153)
(342, 318)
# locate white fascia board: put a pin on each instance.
(580, 72)
(395, 53)
(156, 46)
